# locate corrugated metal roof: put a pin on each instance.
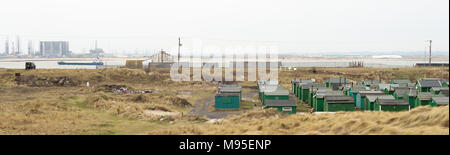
(371, 82)
(424, 96)
(339, 100)
(278, 91)
(280, 103)
(429, 83)
(439, 88)
(413, 92)
(338, 80)
(362, 88)
(329, 93)
(322, 89)
(400, 91)
(441, 100)
(230, 89)
(398, 81)
(387, 86)
(410, 85)
(392, 102)
(309, 85)
(373, 98)
(365, 93)
(264, 88)
(444, 92)
(227, 94)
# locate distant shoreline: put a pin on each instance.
(208, 59)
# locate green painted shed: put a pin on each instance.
(335, 83)
(306, 90)
(284, 106)
(361, 98)
(319, 98)
(227, 101)
(294, 86)
(400, 92)
(371, 99)
(353, 92)
(411, 97)
(224, 89)
(266, 88)
(279, 93)
(425, 85)
(438, 90)
(439, 101)
(339, 103)
(391, 105)
(299, 92)
(313, 91)
(423, 99)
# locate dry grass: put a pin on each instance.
(420, 121)
(82, 110)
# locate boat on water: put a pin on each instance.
(94, 63)
(81, 63)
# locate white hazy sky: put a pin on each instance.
(297, 25)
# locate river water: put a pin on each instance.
(375, 63)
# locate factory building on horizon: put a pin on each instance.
(54, 49)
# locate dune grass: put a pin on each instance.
(82, 110)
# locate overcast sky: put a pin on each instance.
(297, 25)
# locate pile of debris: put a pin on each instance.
(122, 89)
(34, 81)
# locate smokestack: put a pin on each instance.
(18, 45)
(7, 46)
(429, 59)
(30, 47)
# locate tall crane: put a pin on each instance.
(429, 50)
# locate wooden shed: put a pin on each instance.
(391, 105)
(227, 101)
(370, 100)
(438, 90)
(223, 89)
(306, 89)
(335, 83)
(361, 98)
(423, 99)
(411, 97)
(280, 93)
(339, 103)
(299, 85)
(312, 93)
(319, 97)
(425, 85)
(284, 106)
(266, 88)
(294, 86)
(353, 92)
(439, 101)
(400, 92)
